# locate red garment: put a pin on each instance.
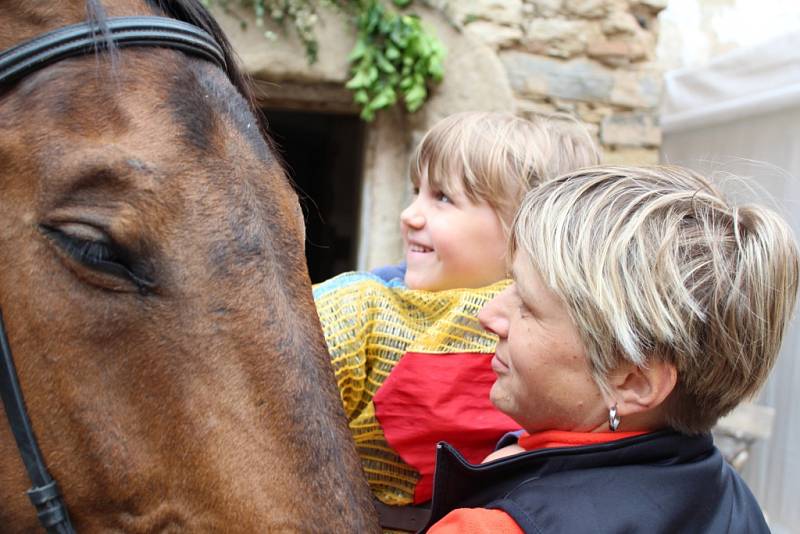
(476, 521)
(549, 439)
(429, 398)
(479, 521)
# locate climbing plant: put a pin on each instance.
(394, 58)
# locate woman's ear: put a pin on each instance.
(637, 389)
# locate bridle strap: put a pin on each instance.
(44, 493)
(16, 63)
(81, 39)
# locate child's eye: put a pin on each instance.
(442, 197)
(415, 190)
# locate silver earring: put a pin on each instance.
(613, 418)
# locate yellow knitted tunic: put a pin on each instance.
(369, 324)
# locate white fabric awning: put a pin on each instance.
(741, 115)
(743, 83)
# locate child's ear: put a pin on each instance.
(637, 390)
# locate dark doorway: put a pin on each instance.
(323, 155)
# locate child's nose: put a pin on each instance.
(493, 316)
(412, 216)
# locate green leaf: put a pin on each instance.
(367, 114)
(372, 74)
(415, 97)
(361, 97)
(399, 38)
(358, 51)
(383, 64)
(384, 99)
(436, 70)
(356, 82)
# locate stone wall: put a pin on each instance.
(594, 59)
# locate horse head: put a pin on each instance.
(156, 298)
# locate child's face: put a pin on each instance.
(451, 242)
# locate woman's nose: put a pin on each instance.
(412, 216)
(494, 317)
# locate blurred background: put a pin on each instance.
(710, 84)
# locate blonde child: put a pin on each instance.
(411, 360)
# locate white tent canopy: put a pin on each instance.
(741, 115)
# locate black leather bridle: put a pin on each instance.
(16, 63)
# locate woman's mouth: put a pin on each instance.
(498, 366)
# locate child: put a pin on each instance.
(645, 306)
(411, 360)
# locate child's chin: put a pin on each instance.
(421, 283)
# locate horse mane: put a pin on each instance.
(192, 12)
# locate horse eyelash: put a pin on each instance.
(100, 255)
(84, 250)
(90, 251)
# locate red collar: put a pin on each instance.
(549, 439)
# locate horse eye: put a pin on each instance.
(95, 250)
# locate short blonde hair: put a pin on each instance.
(498, 157)
(655, 264)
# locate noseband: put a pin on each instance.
(16, 63)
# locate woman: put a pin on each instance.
(644, 307)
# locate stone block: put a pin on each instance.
(494, 35)
(593, 112)
(589, 9)
(530, 108)
(545, 8)
(565, 106)
(655, 5)
(498, 11)
(577, 79)
(630, 130)
(619, 21)
(557, 37)
(637, 88)
(630, 156)
(616, 52)
(582, 80)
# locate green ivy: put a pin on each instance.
(394, 56)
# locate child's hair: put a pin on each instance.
(654, 263)
(498, 157)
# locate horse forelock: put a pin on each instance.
(192, 12)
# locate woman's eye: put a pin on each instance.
(524, 310)
(99, 255)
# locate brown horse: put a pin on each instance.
(156, 298)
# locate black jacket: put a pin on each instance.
(664, 482)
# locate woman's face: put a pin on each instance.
(543, 380)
